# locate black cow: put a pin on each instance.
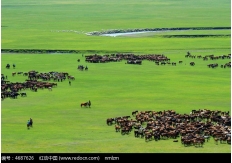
(134, 112)
(8, 66)
(109, 121)
(23, 94)
(29, 123)
(14, 94)
(192, 63)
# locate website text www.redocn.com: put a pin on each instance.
(62, 158)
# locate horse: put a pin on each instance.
(86, 104)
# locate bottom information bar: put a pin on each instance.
(7, 157)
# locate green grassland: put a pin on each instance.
(115, 89)
(34, 25)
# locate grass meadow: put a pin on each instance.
(115, 89)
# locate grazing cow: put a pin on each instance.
(14, 95)
(34, 88)
(164, 135)
(134, 112)
(148, 136)
(109, 121)
(71, 77)
(50, 88)
(117, 128)
(207, 138)
(28, 124)
(8, 66)
(80, 67)
(13, 73)
(23, 94)
(163, 63)
(125, 130)
(216, 140)
(213, 65)
(187, 142)
(223, 139)
(86, 104)
(174, 63)
(19, 73)
(31, 122)
(137, 125)
(141, 131)
(198, 142)
(192, 63)
(136, 133)
(156, 136)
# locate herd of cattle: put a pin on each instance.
(10, 89)
(159, 59)
(131, 58)
(195, 128)
(34, 81)
(213, 58)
